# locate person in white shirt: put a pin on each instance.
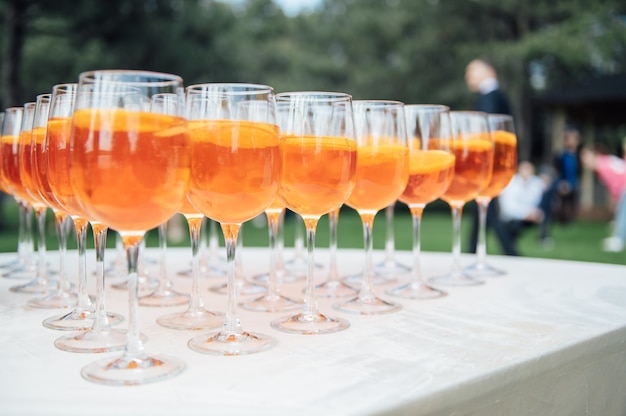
(520, 201)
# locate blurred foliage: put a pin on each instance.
(410, 50)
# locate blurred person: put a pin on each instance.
(567, 181)
(612, 172)
(520, 201)
(561, 198)
(482, 79)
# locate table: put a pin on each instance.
(549, 338)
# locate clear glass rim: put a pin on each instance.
(378, 103)
(314, 96)
(498, 116)
(228, 88)
(69, 86)
(152, 78)
(468, 113)
(428, 107)
(46, 96)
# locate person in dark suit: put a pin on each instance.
(482, 79)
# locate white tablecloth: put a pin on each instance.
(549, 338)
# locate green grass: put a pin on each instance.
(579, 241)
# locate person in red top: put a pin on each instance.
(612, 172)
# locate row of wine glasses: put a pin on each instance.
(129, 149)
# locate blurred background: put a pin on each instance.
(560, 62)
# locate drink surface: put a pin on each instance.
(381, 176)
(318, 173)
(235, 168)
(129, 169)
(430, 174)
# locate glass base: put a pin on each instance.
(78, 320)
(391, 269)
(334, 289)
(20, 272)
(54, 300)
(93, 341)
(11, 264)
(310, 324)
(38, 285)
(355, 280)
(416, 290)
(205, 272)
(146, 285)
(479, 270)
(228, 343)
(368, 306)
(167, 297)
(277, 303)
(132, 371)
(455, 279)
(283, 277)
(192, 320)
(244, 288)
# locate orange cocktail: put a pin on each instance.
(504, 163)
(129, 168)
(318, 173)
(40, 171)
(381, 175)
(235, 168)
(472, 169)
(430, 174)
(11, 167)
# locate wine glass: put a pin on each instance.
(26, 191)
(502, 129)
(382, 171)
(473, 152)
(333, 287)
(61, 295)
(273, 301)
(94, 322)
(196, 316)
(235, 174)
(431, 170)
(23, 267)
(130, 170)
(319, 154)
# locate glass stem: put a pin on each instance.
(214, 241)
(273, 218)
(310, 302)
(457, 210)
(101, 321)
(416, 214)
(164, 283)
(209, 252)
(390, 244)
(481, 247)
(366, 293)
(25, 238)
(40, 213)
(298, 242)
(134, 346)
(280, 245)
(333, 219)
(195, 231)
(61, 227)
(232, 324)
(80, 224)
